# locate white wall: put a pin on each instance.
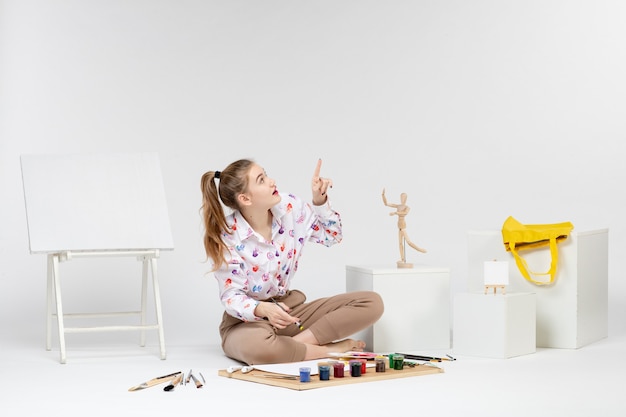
(476, 109)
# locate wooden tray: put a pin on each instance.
(278, 380)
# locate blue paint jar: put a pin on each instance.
(305, 374)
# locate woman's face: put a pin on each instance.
(262, 190)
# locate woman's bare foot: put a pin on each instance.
(324, 351)
(346, 345)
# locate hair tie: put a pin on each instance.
(217, 174)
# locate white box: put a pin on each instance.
(494, 326)
(417, 306)
(573, 311)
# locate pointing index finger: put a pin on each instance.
(316, 174)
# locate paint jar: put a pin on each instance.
(355, 368)
(380, 365)
(324, 372)
(305, 374)
(398, 362)
(390, 356)
(321, 364)
(338, 368)
(363, 363)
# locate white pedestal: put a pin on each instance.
(417, 307)
(573, 311)
(494, 326)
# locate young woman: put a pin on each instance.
(255, 252)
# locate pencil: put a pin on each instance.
(300, 326)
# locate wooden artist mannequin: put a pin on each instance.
(401, 211)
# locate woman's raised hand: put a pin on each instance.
(320, 185)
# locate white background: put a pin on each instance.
(476, 109)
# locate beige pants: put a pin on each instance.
(330, 319)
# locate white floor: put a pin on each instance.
(94, 382)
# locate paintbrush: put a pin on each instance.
(426, 358)
(174, 382)
(281, 376)
(155, 381)
(300, 326)
(196, 381)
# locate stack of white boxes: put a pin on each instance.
(570, 313)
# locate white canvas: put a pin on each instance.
(95, 202)
(496, 273)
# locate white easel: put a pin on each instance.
(87, 206)
(496, 275)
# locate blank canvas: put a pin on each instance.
(496, 273)
(87, 202)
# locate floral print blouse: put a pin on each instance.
(257, 269)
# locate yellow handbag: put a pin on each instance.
(517, 237)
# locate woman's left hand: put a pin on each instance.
(320, 186)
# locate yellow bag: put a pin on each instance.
(517, 236)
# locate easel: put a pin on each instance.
(148, 258)
(495, 289)
(97, 206)
(496, 275)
